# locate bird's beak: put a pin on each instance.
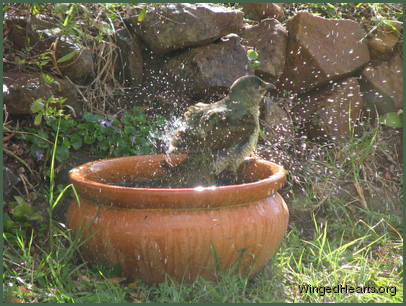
(269, 86)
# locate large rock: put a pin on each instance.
(21, 89)
(279, 138)
(277, 125)
(382, 85)
(258, 11)
(209, 68)
(80, 68)
(158, 92)
(269, 38)
(169, 27)
(130, 63)
(24, 33)
(330, 112)
(72, 59)
(321, 50)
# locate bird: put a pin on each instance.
(217, 137)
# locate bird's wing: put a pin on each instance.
(210, 128)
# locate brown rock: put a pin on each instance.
(277, 124)
(80, 67)
(383, 85)
(330, 112)
(382, 43)
(258, 11)
(20, 32)
(130, 64)
(269, 38)
(21, 89)
(169, 27)
(320, 50)
(210, 68)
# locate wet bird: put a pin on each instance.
(218, 137)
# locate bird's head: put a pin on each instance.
(250, 88)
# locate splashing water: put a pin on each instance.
(161, 138)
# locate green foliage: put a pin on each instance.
(142, 14)
(253, 58)
(67, 57)
(324, 9)
(23, 211)
(50, 108)
(21, 216)
(102, 136)
(392, 119)
(42, 60)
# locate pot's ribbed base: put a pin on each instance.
(183, 243)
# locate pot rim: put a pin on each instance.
(195, 197)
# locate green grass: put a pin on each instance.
(331, 241)
(363, 252)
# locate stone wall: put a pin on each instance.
(182, 53)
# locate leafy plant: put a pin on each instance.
(52, 200)
(102, 136)
(51, 108)
(253, 58)
(392, 119)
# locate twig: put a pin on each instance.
(8, 137)
(360, 192)
(25, 183)
(19, 159)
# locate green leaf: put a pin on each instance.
(91, 117)
(47, 78)
(69, 15)
(130, 130)
(252, 55)
(62, 153)
(34, 9)
(8, 223)
(38, 119)
(66, 142)
(142, 14)
(255, 64)
(37, 106)
(23, 210)
(67, 57)
(392, 119)
(76, 141)
(88, 139)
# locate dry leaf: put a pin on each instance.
(117, 280)
(23, 289)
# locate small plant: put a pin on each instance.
(102, 136)
(324, 9)
(52, 200)
(51, 108)
(392, 119)
(253, 58)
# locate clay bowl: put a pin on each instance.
(182, 232)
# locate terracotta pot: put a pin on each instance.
(182, 232)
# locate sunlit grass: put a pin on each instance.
(352, 252)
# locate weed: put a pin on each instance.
(102, 136)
